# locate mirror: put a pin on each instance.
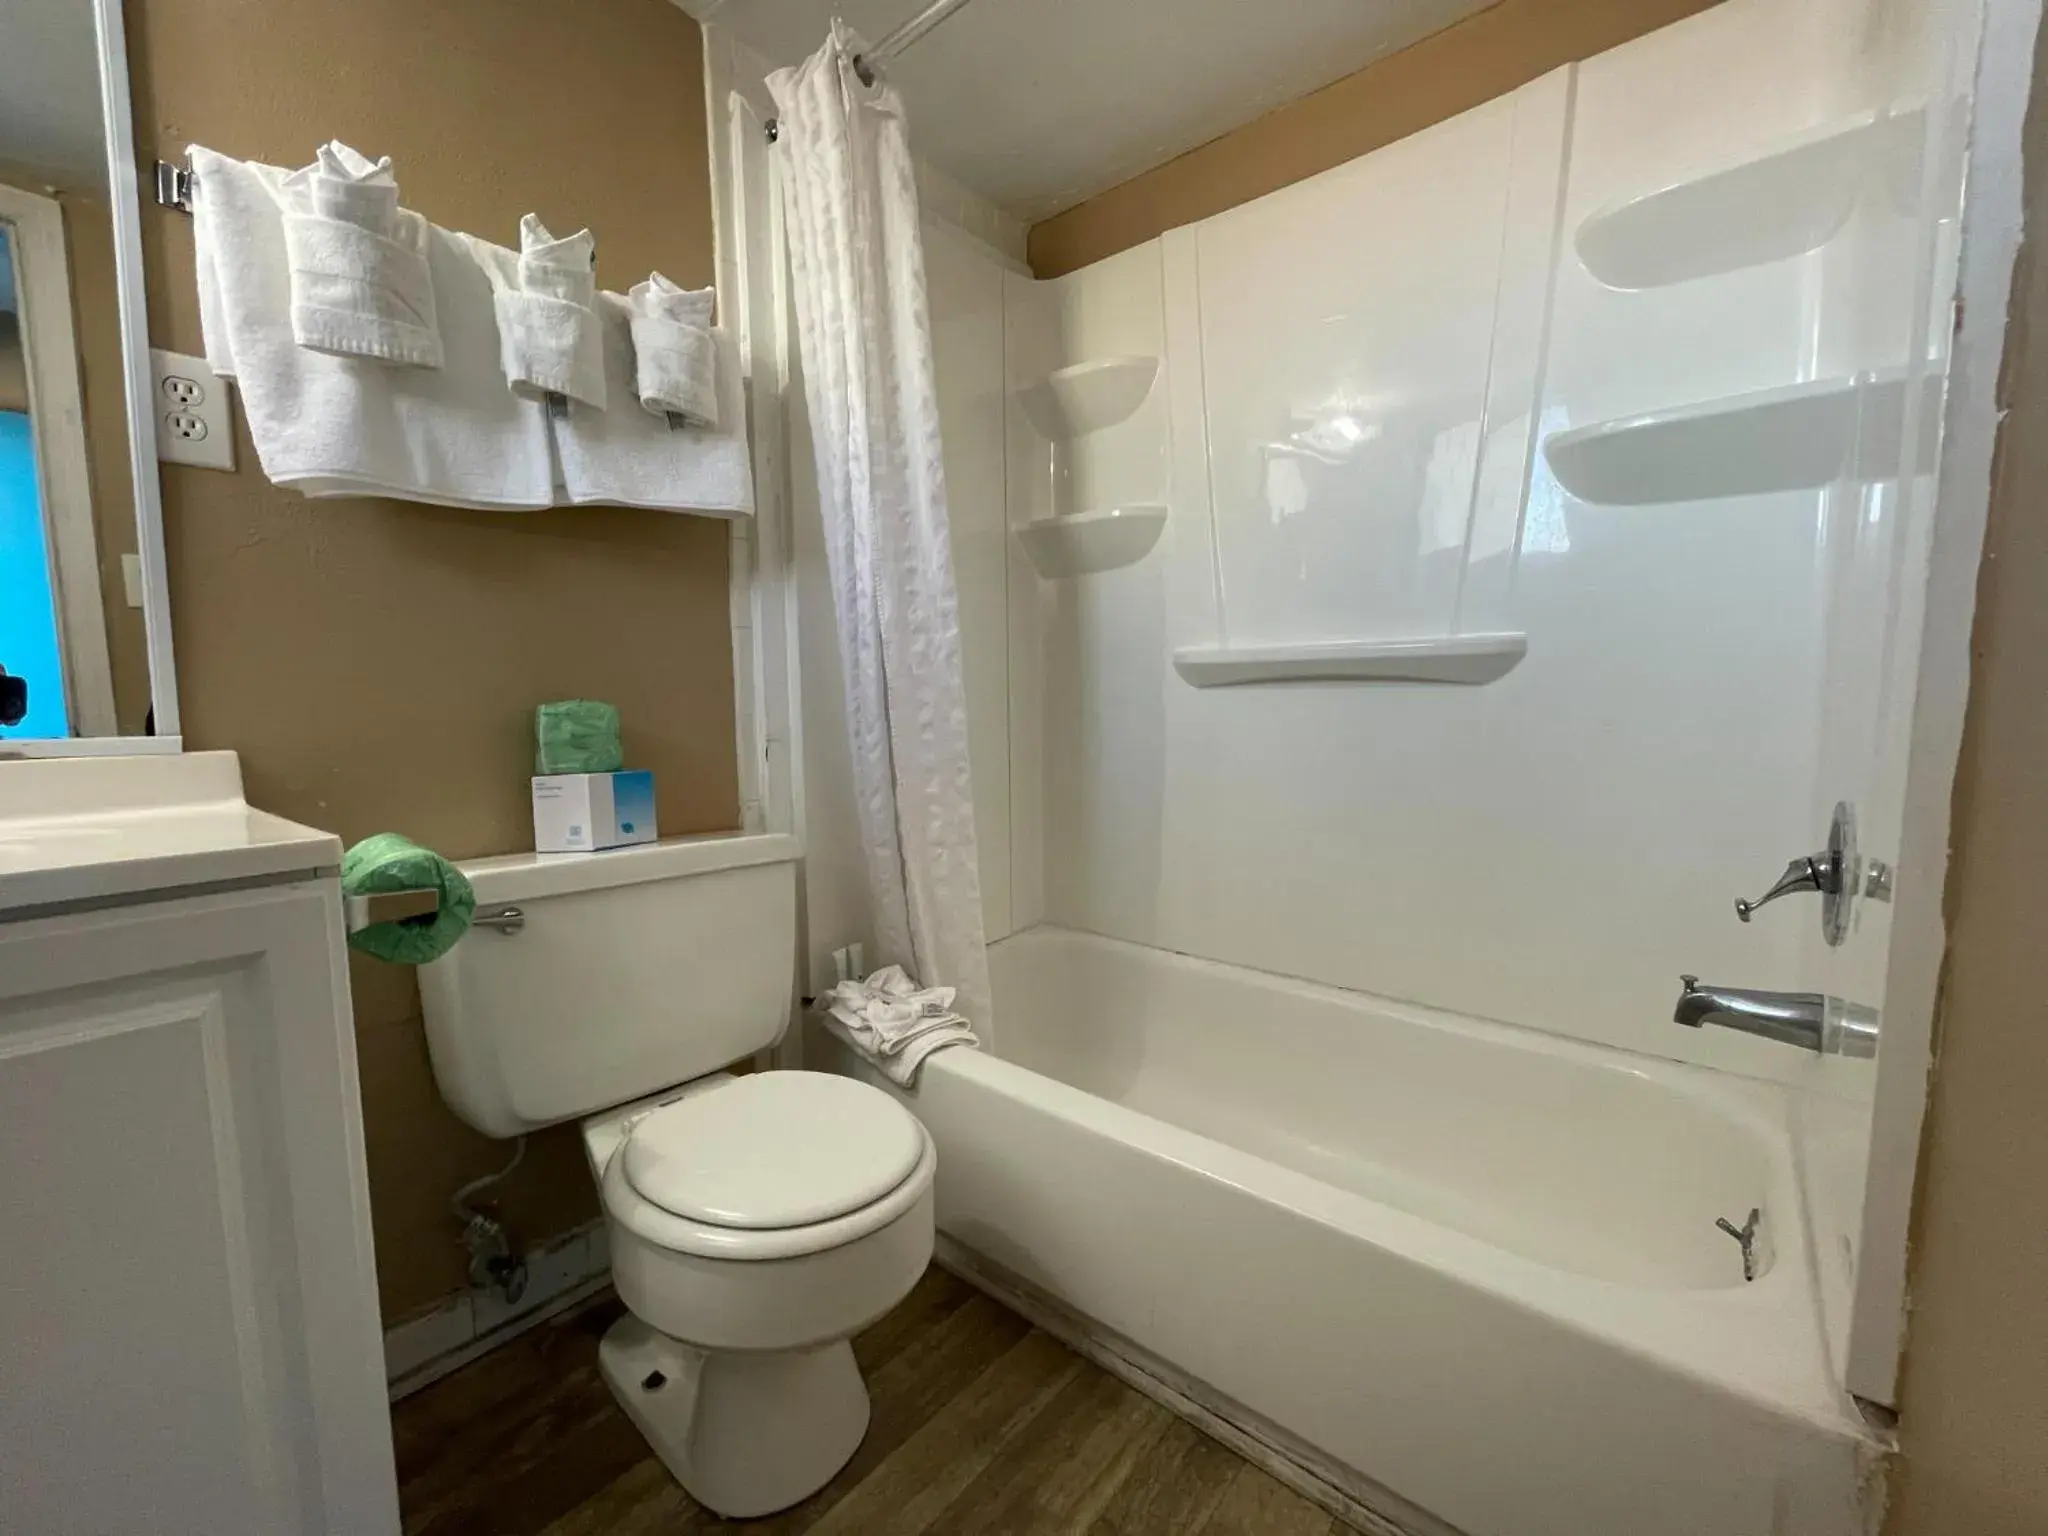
(84, 627)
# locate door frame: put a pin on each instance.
(56, 405)
(2003, 81)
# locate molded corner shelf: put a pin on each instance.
(1451, 659)
(1786, 201)
(1793, 438)
(1086, 542)
(1071, 402)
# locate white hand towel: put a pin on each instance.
(548, 331)
(895, 1023)
(903, 1067)
(347, 426)
(630, 458)
(360, 279)
(675, 357)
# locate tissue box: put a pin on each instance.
(583, 812)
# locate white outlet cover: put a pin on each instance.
(190, 404)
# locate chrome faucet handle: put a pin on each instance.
(1819, 872)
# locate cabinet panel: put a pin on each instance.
(131, 1309)
(188, 1329)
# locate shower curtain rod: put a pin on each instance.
(893, 43)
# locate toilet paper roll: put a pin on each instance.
(391, 862)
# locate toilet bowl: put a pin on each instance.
(734, 1358)
(756, 1222)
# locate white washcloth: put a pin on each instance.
(360, 281)
(629, 458)
(548, 330)
(348, 426)
(675, 356)
(895, 1023)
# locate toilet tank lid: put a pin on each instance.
(528, 876)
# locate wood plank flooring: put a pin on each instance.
(982, 1424)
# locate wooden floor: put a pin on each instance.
(982, 1424)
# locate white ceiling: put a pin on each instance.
(1039, 104)
(50, 90)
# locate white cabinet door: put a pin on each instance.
(188, 1326)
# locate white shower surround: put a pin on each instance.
(1634, 1404)
(1473, 1264)
(857, 270)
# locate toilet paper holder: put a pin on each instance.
(361, 912)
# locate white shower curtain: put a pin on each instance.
(850, 207)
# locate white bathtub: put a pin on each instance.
(1475, 1265)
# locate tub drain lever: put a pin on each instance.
(1745, 1235)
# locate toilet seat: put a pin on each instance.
(651, 1221)
(772, 1151)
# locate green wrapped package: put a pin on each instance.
(393, 862)
(577, 736)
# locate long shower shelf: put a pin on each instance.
(1788, 200)
(1071, 402)
(1450, 659)
(1792, 438)
(1083, 543)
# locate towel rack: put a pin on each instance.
(389, 907)
(174, 185)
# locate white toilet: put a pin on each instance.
(756, 1222)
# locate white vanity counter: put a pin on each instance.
(91, 830)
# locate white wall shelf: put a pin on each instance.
(1087, 397)
(1467, 659)
(1087, 542)
(1790, 199)
(1795, 437)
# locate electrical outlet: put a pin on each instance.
(191, 406)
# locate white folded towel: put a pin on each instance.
(629, 458)
(360, 279)
(349, 426)
(895, 1023)
(675, 357)
(548, 330)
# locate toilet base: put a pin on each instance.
(745, 1434)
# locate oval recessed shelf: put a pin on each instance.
(1069, 402)
(1793, 438)
(1086, 542)
(1448, 659)
(1792, 198)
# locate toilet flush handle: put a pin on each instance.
(507, 920)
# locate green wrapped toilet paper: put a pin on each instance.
(392, 862)
(577, 736)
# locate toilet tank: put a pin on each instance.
(632, 971)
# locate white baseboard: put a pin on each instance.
(1353, 1498)
(428, 1345)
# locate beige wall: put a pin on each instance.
(1485, 56)
(1974, 1421)
(376, 663)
